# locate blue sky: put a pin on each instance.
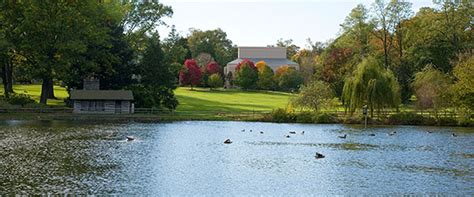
(263, 22)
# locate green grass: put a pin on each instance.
(229, 100)
(199, 99)
(35, 91)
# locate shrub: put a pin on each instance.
(20, 99)
(4, 103)
(215, 80)
(447, 121)
(281, 115)
(406, 118)
(305, 117)
(324, 118)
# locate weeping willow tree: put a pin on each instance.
(370, 85)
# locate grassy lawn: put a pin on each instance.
(229, 100)
(199, 99)
(35, 91)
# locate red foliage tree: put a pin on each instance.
(190, 74)
(248, 62)
(213, 68)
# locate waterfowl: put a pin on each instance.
(130, 138)
(250, 130)
(292, 132)
(343, 136)
(454, 135)
(392, 133)
(302, 133)
(287, 136)
(318, 155)
(228, 141)
(243, 130)
(261, 132)
(371, 134)
(430, 131)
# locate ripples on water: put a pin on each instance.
(189, 158)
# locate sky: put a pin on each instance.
(263, 22)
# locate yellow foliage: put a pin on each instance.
(260, 65)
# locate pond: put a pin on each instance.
(190, 158)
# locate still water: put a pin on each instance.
(190, 158)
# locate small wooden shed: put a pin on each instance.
(93, 100)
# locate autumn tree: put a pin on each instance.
(213, 68)
(288, 78)
(265, 76)
(190, 74)
(246, 75)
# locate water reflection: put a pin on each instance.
(190, 158)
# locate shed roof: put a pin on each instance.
(272, 62)
(126, 95)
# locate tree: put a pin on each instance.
(11, 16)
(246, 75)
(213, 68)
(463, 88)
(215, 80)
(176, 47)
(157, 78)
(358, 28)
(383, 28)
(430, 87)
(54, 34)
(291, 49)
(265, 76)
(213, 42)
(371, 85)
(289, 80)
(141, 18)
(190, 74)
(314, 96)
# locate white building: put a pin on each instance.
(273, 56)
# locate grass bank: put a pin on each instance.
(34, 91)
(229, 100)
(197, 99)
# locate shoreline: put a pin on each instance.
(155, 118)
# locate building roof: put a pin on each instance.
(272, 62)
(126, 95)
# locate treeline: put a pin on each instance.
(64, 42)
(386, 55)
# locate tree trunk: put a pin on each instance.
(385, 49)
(51, 89)
(47, 90)
(7, 78)
(400, 41)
